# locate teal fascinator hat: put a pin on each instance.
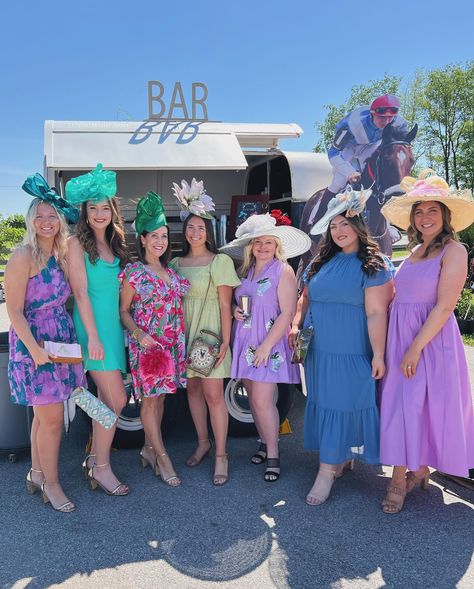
(37, 187)
(95, 186)
(150, 213)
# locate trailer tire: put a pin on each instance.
(241, 422)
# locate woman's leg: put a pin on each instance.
(151, 415)
(396, 491)
(198, 409)
(36, 475)
(322, 486)
(49, 427)
(111, 392)
(265, 414)
(213, 389)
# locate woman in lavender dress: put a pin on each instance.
(37, 291)
(261, 355)
(426, 408)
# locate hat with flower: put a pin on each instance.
(352, 202)
(193, 199)
(294, 241)
(95, 186)
(428, 186)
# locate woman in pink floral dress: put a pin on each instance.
(151, 310)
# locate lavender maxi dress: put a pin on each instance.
(427, 419)
(44, 309)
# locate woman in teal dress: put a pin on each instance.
(207, 305)
(96, 255)
(348, 288)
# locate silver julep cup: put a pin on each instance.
(245, 303)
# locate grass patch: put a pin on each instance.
(468, 339)
(399, 254)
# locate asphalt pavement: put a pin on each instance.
(246, 534)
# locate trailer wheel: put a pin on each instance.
(241, 422)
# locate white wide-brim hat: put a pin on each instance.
(428, 187)
(352, 202)
(294, 241)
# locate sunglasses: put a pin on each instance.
(381, 110)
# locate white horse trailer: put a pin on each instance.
(231, 158)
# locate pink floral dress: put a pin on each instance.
(156, 309)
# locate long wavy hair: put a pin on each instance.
(165, 256)
(60, 239)
(368, 253)
(249, 258)
(447, 231)
(114, 234)
(210, 238)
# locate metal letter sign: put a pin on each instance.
(156, 91)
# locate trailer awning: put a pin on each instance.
(155, 145)
(309, 171)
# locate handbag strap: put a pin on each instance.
(207, 291)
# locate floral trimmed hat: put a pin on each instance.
(352, 202)
(95, 186)
(428, 186)
(193, 199)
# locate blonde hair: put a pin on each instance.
(249, 258)
(60, 239)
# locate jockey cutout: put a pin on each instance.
(358, 135)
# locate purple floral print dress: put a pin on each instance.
(157, 309)
(45, 310)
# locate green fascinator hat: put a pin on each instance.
(37, 187)
(95, 186)
(150, 213)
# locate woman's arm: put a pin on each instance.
(127, 293)
(17, 274)
(298, 320)
(78, 281)
(287, 295)
(377, 300)
(451, 281)
(225, 299)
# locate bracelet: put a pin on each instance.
(136, 333)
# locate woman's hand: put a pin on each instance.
(410, 361)
(262, 354)
(146, 341)
(95, 349)
(378, 367)
(238, 314)
(40, 356)
(221, 355)
(292, 336)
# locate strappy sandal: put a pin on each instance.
(172, 480)
(272, 475)
(85, 466)
(119, 491)
(344, 467)
(145, 461)
(413, 480)
(390, 505)
(195, 459)
(221, 479)
(260, 455)
(31, 486)
(66, 507)
(322, 486)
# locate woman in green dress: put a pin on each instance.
(207, 305)
(96, 255)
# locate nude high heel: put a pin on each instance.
(144, 461)
(66, 507)
(120, 490)
(195, 460)
(413, 479)
(31, 486)
(344, 467)
(85, 466)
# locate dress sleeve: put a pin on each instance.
(381, 276)
(223, 272)
(183, 284)
(304, 276)
(132, 274)
(173, 264)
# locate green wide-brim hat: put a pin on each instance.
(150, 213)
(96, 186)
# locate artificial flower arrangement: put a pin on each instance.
(280, 217)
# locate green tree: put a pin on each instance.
(360, 94)
(12, 230)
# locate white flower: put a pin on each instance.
(254, 224)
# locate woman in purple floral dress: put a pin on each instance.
(151, 310)
(37, 291)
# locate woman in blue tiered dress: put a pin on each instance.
(347, 291)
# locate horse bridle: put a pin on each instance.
(375, 177)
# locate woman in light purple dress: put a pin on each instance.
(426, 407)
(37, 291)
(261, 355)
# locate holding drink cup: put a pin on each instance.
(245, 303)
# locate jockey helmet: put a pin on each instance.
(386, 105)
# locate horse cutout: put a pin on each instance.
(391, 161)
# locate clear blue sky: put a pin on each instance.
(269, 61)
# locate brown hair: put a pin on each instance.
(114, 234)
(446, 234)
(165, 256)
(210, 239)
(369, 253)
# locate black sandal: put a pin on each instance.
(272, 475)
(260, 455)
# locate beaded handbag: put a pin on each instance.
(94, 407)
